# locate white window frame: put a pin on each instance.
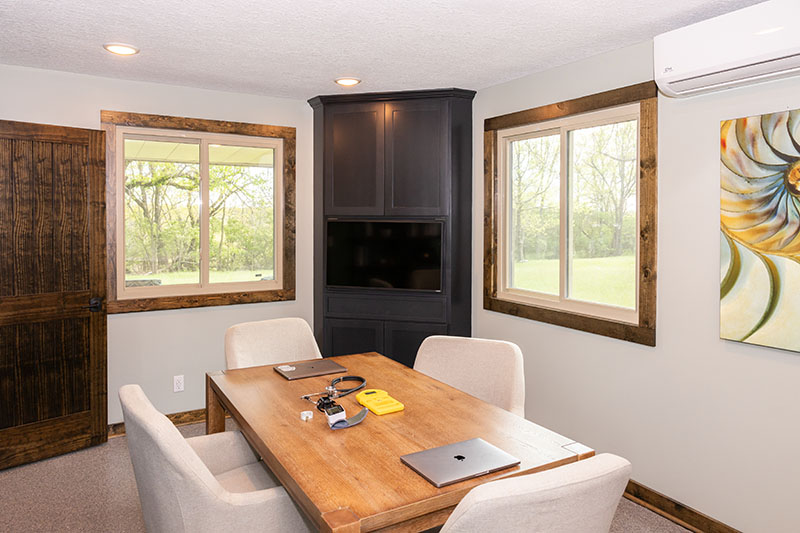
(562, 126)
(204, 140)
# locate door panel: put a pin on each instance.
(52, 261)
(354, 165)
(403, 339)
(53, 381)
(344, 337)
(417, 162)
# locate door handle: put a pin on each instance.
(95, 305)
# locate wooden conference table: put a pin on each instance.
(352, 479)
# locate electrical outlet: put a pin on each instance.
(177, 383)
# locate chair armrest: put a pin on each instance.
(224, 451)
(269, 510)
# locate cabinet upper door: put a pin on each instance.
(354, 159)
(417, 157)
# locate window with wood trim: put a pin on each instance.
(199, 212)
(571, 205)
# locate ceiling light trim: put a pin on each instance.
(347, 81)
(121, 49)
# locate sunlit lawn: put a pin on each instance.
(609, 280)
(176, 278)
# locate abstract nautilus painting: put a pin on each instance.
(760, 230)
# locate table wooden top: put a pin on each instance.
(352, 479)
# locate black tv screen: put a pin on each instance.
(387, 255)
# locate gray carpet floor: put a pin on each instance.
(95, 490)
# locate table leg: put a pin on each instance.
(215, 414)
(342, 520)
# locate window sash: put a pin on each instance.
(204, 140)
(562, 126)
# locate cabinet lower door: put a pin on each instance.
(345, 336)
(397, 340)
(402, 339)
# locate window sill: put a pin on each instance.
(198, 300)
(644, 333)
(603, 312)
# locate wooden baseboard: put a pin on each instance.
(179, 419)
(675, 511)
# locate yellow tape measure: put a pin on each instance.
(378, 401)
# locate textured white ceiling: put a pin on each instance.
(296, 48)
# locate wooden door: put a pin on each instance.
(52, 264)
(417, 158)
(354, 163)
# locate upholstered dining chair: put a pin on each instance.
(200, 484)
(490, 370)
(269, 342)
(580, 497)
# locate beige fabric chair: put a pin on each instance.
(269, 342)
(487, 369)
(201, 484)
(579, 497)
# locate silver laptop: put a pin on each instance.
(309, 369)
(452, 463)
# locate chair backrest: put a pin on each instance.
(170, 477)
(269, 342)
(487, 369)
(580, 497)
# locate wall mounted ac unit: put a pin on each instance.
(754, 44)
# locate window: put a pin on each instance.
(197, 212)
(571, 200)
(170, 245)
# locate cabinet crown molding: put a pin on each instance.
(452, 92)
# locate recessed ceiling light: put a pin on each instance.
(347, 81)
(121, 49)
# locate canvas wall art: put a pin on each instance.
(760, 230)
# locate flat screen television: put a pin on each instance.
(385, 255)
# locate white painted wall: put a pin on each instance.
(149, 348)
(713, 424)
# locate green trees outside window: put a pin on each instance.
(163, 201)
(601, 172)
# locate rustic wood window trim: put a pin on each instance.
(645, 331)
(109, 121)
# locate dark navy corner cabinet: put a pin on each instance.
(397, 168)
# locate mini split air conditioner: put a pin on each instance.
(754, 44)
